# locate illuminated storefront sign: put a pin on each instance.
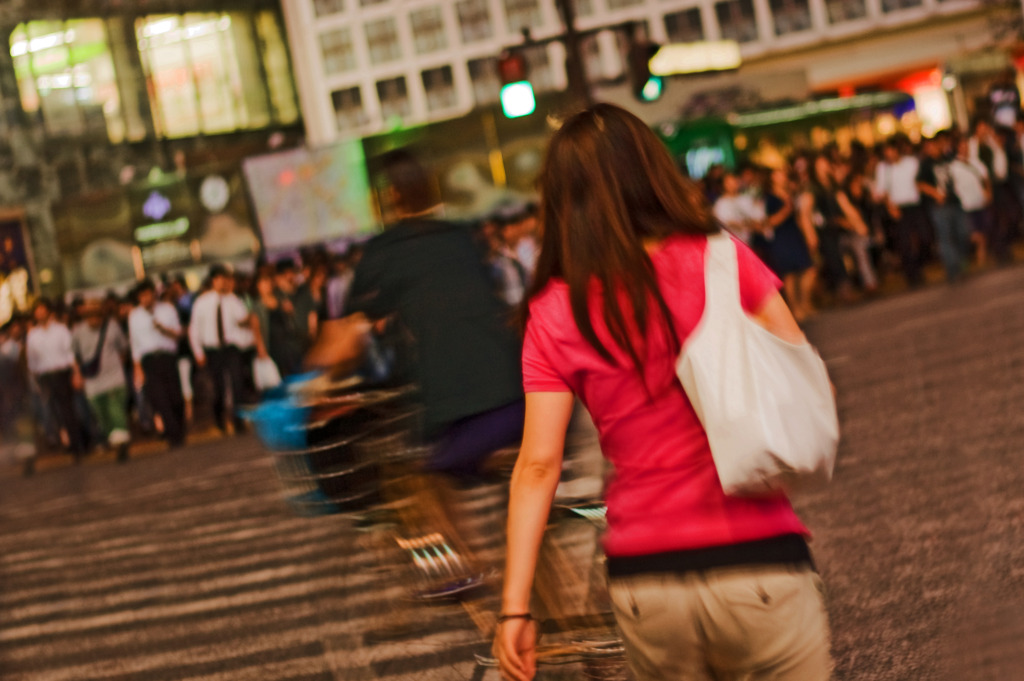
(699, 57)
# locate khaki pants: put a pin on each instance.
(734, 624)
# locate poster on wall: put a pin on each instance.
(311, 196)
(17, 276)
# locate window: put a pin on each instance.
(440, 88)
(348, 108)
(539, 67)
(483, 74)
(897, 5)
(428, 30)
(685, 26)
(845, 10)
(338, 50)
(791, 16)
(584, 8)
(382, 40)
(523, 14)
(737, 20)
(394, 98)
(474, 20)
(278, 68)
(370, 3)
(215, 73)
(326, 7)
(66, 74)
(591, 50)
(619, 4)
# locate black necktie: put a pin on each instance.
(220, 324)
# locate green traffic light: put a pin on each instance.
(652, 89)
(517, 99)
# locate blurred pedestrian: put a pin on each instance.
(787, 243)
(153, 331)
(935, 181)
(701, 584)
(896, 189)
(220, 328)
(51, 360)
(101, 348)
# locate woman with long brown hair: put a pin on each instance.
(701, 583)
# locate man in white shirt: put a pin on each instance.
(51, 360)
(154, 329)
(738, 212)
(220, 328)
(896, 188)
(987, 146)
(971, 184)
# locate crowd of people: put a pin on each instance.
(98, 372)
(834, 225)
(94, 372)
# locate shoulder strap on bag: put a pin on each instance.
(721, 274)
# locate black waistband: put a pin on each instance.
(788, 549)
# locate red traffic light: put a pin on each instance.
(511, 67)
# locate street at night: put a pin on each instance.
(187, 565)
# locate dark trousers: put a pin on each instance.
(912, 237)
(225, 367)
(60, 396)
(831, 247)
(467, 443)
(163, 392)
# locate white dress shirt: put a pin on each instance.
(1000, 164)
(969, 177)
(203, 332)
(49, 349)
(738, 214)
(898, 181)
(143, 335)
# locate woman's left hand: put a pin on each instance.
(515, 646)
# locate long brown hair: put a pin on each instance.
(607, 185)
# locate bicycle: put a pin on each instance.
(342, 449)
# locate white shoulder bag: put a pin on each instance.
(766, 404)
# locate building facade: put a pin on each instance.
(365, 66)
(114, 116)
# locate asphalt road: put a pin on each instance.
(188, 566)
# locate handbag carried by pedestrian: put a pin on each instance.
(766, 404)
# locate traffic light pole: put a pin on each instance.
(574, 71)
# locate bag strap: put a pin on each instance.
(721, 275)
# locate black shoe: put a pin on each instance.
(122, 453)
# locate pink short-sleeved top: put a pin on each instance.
(665, 494)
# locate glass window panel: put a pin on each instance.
(483, 75)
(897, 5)
(539, 66)
(791, 16)
(523, 14)
(278, 67)
(474, 20)
(66, 73)
(327, 7)
(216, 72)
(428, 32)
(619, 4)
(382, 40)
(394, 98)
(439, 87)
(846, 10)
(685, 26)
(591, 50)
(338, 51)
(348, 108)
(368, 3)
(584, 8)
(737, 21)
